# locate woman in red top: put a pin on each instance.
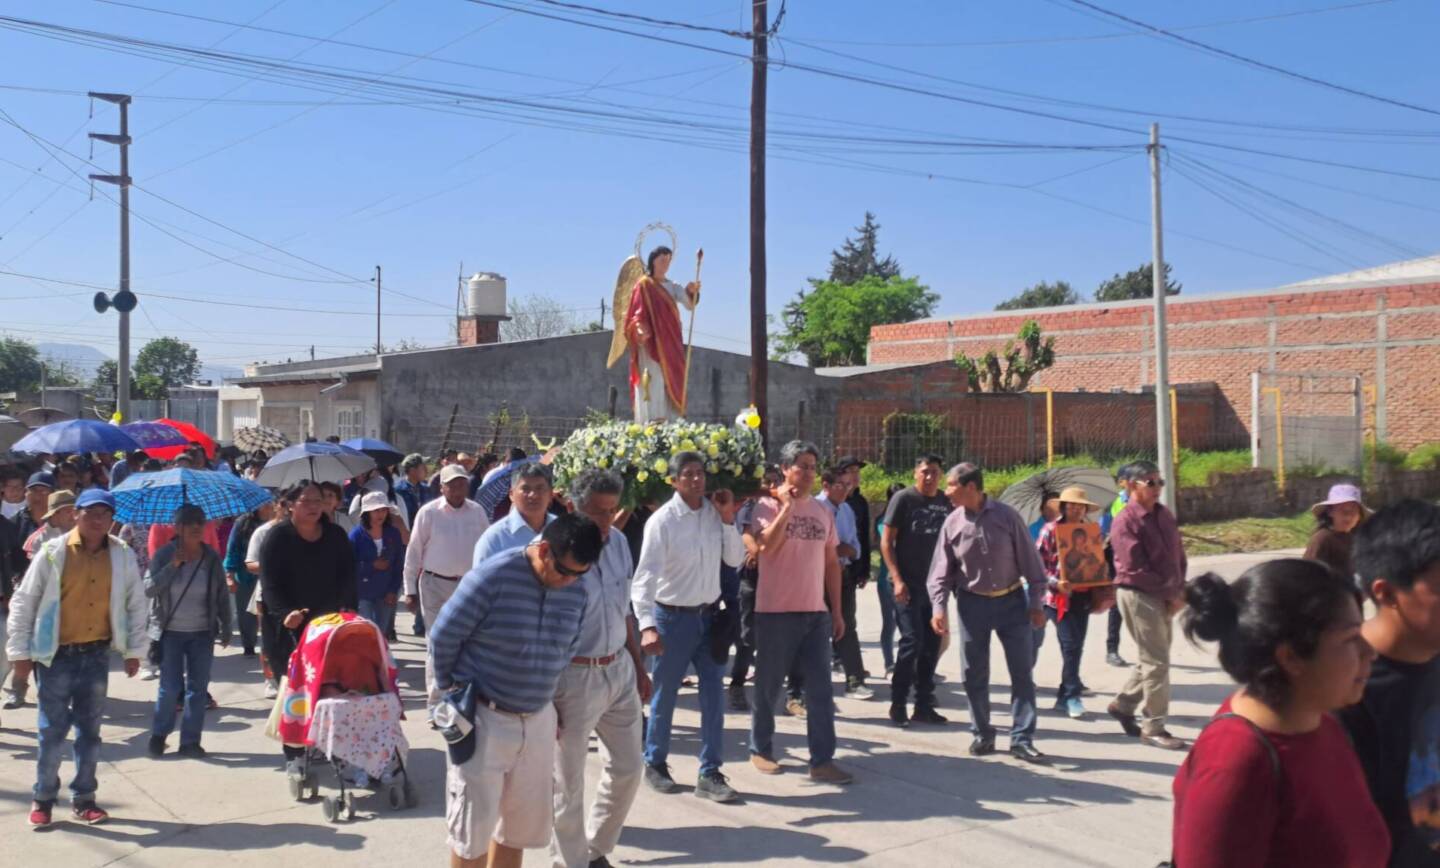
(1273, 780)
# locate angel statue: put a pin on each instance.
(647, 322)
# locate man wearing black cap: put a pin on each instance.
(37, 499)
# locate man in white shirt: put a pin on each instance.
(442, 539)
(677, 583)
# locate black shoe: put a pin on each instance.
(1114, 659)
(1127, 721)
(156, 747)
(191, 751)
(898, 715)
(600, 862)
(983, 745)
(1027, 752)
(925, 714)
(658, 777)
(715, 787)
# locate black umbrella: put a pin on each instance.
(1028, 495)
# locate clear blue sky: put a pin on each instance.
(346, 183)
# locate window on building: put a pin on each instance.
(349, 421)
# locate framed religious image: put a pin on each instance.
(1082, 555)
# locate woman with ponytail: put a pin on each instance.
(1273, 780)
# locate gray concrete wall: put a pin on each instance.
(564, 377)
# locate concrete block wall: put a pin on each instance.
(1388, 335)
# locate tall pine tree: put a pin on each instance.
(858, 259)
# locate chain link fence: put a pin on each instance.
(1308, 421)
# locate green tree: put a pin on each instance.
(830, 325)
(163, 364)
(19, 365)
(858, 258)
(1021, 362)
(1042, 294)
(1135, 284)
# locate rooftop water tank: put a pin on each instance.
(486, 296)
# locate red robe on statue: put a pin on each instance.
(652, 306)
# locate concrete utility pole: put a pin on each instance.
(124, 300)
(1163, 422)
(759, 352)
(377, 310)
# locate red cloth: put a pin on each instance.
(162, 534)
(320, 659)
(652, 306)
(191, 433)
(1231, 811)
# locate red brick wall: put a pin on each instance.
(1222, 341)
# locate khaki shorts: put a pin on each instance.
(506, 789)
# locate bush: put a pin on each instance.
(1194, 468)
(1426, 456)
(1383, 453)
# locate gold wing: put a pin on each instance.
(630, 272)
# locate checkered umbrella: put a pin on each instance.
(260, 438)
(152, 498)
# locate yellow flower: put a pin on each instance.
(650, 431)
(687, 445)
(713, 451)
(642, 476)
(620, 450)
(633, 429)
(661, 465)
(734, 469)
(759, 471)
(712, 467)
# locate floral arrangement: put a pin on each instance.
(734, 457)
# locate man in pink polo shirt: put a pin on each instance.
(799, 573)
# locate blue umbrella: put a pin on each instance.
(154, 435)
(77, 435)
(317, 462)
(384, 454)
(152, 498)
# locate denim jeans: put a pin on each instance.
(686, 640)
(1007, 617)
(918, 652)
(71, 691)
(1112, 631)
(378, 611)
(185, 660)
(784, 640)
(1070, 632)
(886, 592)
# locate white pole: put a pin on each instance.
(1163, 421)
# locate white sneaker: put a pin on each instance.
(271, 690)
(859, 691)
(149, 673)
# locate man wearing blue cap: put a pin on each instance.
(81, 597)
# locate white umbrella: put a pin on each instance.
(317, 462)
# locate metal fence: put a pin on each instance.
(202, 412)
(1307, 420)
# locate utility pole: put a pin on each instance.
(377, 310)
(124, 300)
(759, 353)
(1163, 422)
(602, 313)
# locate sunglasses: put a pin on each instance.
(1152, 483)
(569, 573)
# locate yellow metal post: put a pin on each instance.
(1049, 426)
(1174, 431)
(1373, 397)
(1279, 438)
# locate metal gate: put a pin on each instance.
(1307, 419)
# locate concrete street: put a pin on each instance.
(918, 798)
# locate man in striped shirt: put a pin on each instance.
(508, 632)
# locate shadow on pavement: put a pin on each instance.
(718, 845)
(225, 836)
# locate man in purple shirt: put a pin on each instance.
(986, 558)
(1150, 577)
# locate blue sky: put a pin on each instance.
(347, 183)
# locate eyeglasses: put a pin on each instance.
(567, 572)
(1152, 483)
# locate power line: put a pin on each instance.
(645, 19)
(1250, 61)
(1099, 36)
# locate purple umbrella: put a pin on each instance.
(154, 435)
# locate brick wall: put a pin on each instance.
(1222, 340)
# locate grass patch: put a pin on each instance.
(1247, 535)
(1194, 468)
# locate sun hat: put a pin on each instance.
(374, 500)
(95, 497)
(1076, 494)
(1343, 493)
(58, 501)
(453, 471)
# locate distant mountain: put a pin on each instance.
(80, 359)
(83, 360)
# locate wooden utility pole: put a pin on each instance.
(759, 351)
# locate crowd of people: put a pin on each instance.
(554, 617)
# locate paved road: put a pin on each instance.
(918, 799)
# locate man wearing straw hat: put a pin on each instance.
(58, 520)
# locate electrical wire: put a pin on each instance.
(1249, 61)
